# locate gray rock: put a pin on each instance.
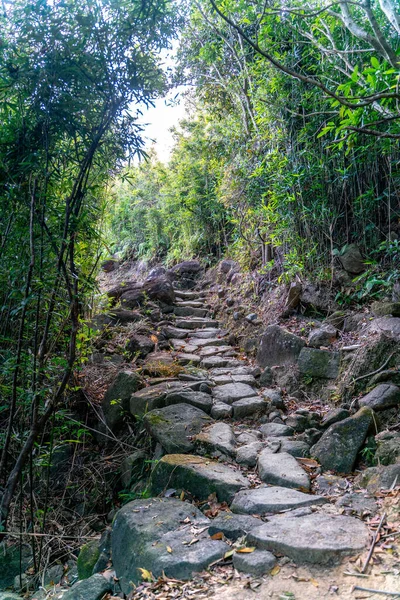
(93, 588)
(278, 347)
(323, 336)
(132, 467)
(267, 499)
(224, 379)
(315, 538)
(319, 363)
(258, 563)
(274, 397)
(317, 298)
(247, 455)
(220, 410)
(231, 392)
(233, 526)
(376, 478)
(276, 430)
(216, 439)
(175, 333)
(195, 323)
(174, 426)
(187, 267)
(197, 399)
(390, 326)
(139, 345)
(248, 407)
(266, 377)
(152, 397)
(10, 558)
(185, 358)
(189, 311)
(212, 362)
(338, 447)
(248, 437)
(143, 530)
(159, 288)
(198, 475)
(296, 448)
(209, 333)
(352, 260)
(282, 469)
(388, 448)
(334, 416)
(383, 396)
(117, 397)
(358, 504)
(384, 309)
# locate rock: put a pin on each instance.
(175, 333)
(295, 448)
(152, 397)
(139, 345)
(227, 265)
(121, 316)
(274, 397)
(198, 475)
(338, 447)
(188, 311)
(209, 333)
(324, 336)
(233, 526)
(132, 467)
(359, 504)
(266, 377)
(9, 596)
(390, 326)
(375, 479)
(216, 439)
(310, 436)
(293, 298)
(186, 268)
(278, 347)
(93, 588)
(220, 410)
(317, 298)
(212, 362)
(10, 558)
(248, 437)
(258, 563)
(159, 288)
(116, 400)
(334, 416)
(383, 396)
(195, 323)
(281, 470)
(224, 379)
(276, 430)
(184, 358)
(388, 448)
(315, 538)
(175, 425)
(319, 363)
(266, 499)
(206, 342)
(132, 297)
(251, 317)
(87, 558)
(351, 259)
(384, 309)
(247, 455)
(249, 406)
(197, 399)
(144, 530)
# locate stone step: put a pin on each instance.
(316, 538)
(266, 499)
(191, 303)
(232, 392)
(224, 379)
(188, 295)
(209, 333)
(282, 469)
(195, 323)
(204, 342)
(188, 311)
(217, 350)
(212, 362)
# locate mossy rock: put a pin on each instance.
(88, 557)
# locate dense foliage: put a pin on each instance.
(293, 145)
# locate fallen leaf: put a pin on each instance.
(169, 549)
(245, 550)
(146, 575)
(229, 553)
(217, 536)
(275, 570)
(182, 496)
(314, 582)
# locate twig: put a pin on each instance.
(389, 535)
(354, 574)
(371, 550)
(362, 589)
(377, 370)
(58, 537)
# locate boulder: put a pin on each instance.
(174, 426)
(93, 588)
(139, 346)
(389, 326)
(281, 470)
(316, 538)
(317, 298)
(321, 364)
(388, 448)
(233, 526)
(187, 268)
(197, 475)
(227, 265)
(117, 398)
(159, 288)
(323, 336)
(13, 561)
(157, 535)
(375, 479)
(217, 439)
(132, 297)
(266, 377)
(384, 309)
(351, 260)
(122, 316)
(334, 416)
(383, 396)
(293, 297)
(256, 563)
(278, 347)
(272, 499)
(295, 448)
(338, 447)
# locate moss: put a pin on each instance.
(88, 557)
(155, 418)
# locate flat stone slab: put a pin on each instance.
(184, 358)
(247, 455)
(276, 430)
(209, 333)
(195, 323)
(219, 361)
(382, 397)
(241, 370)
(233, 526)
(152, 397)
(282, 470)
(197, 399)
(198, 475)
(220, 410)
(183, 345)
(231, 392)
(93, 588)
(266, 499)
(247, 407)
(174, 426)
(191, 303)
(296, 448)
(206, 342)
(258, 563)
(216, 440)
(224, 379)
(315, 538)
(189, 311)
(155, 534)
(216, 350)
(175, 333)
